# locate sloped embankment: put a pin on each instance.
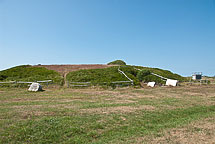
(30, 74)
(88, 73)
(99, 76)
(111, 74)
(164, 73)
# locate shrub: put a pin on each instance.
(3, 77)
(141, 74)
(129, 69)
(117, 62)
(152, 78)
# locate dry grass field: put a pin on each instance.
(184, 114)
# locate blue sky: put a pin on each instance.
(178, 35)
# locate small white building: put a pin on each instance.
(197, 76)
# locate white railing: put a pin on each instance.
(22, 82)
(154, 74)
(120, 71)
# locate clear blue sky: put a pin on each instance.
(178, 35)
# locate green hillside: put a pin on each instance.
(111, 74)
(96, 76)
(30, 74)
(99, 76)
(161, 72)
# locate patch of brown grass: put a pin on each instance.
(195, 133)
(117, 109)
(69, 68)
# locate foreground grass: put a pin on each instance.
(99, 116)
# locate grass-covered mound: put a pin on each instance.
(99, 76)
(96, 76)
(117, 62)
(29, 73)
(111, 74)
(161, 72)
(148, 78)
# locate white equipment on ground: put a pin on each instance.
(151, 84)
(170, 82)
(35, 87)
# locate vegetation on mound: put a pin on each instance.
(148, 77)
(99, 76)
(111, 74)
(117, 62)
(30, 74)
(161, 72)
(143, 73)
(103, 76)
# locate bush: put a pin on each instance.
(3, 77)
(117, 62)
(129, 69)
(141, 74)
(152, 78)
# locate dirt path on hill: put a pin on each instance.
(64, 78)
(65, 69)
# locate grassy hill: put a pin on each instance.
(30, 74)
(95, 76)
(99, 76)
(161, 72)
(111, 74)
